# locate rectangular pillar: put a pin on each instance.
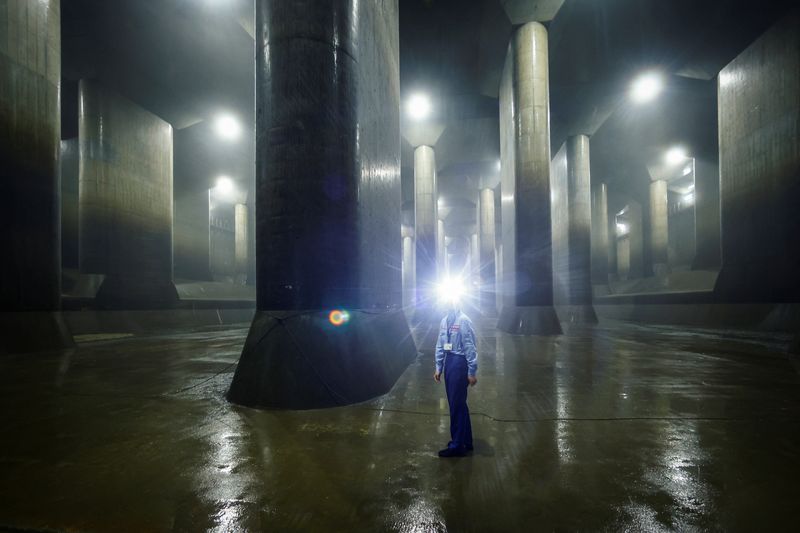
(659, 227)
(30, 133)
(600, 241)
(759, 158)
(192, 235)
(125, 195)
(240, 241)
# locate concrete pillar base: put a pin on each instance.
(540, 320)
(126, 293)
(578, 314)
(28, 332)
(299, 360)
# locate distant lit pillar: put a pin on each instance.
(525, 148)
(579, 213)
(426, 219)
(600, 242)
(30, 133)
(659, 227)
(486, 259)
(409, 266)
(240, 240)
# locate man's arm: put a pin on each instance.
(440, 349)
(470, 350)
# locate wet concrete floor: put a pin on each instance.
(619, 427)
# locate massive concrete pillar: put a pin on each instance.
(125, 196)
(30, 132)
(426, 226)
(706, 208)
(486, 259)
(409, 267)
(600, 242)
(579, 211)
(327, 207)
(759, 127)
(525, 155)
(240, 241)
(659, 227)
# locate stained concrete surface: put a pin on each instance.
(620, 427)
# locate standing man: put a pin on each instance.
(457, 356)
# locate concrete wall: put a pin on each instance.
(30, 129)
(759, 127)
(126, 208)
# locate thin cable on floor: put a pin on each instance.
(589, 419)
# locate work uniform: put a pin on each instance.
(456, 332)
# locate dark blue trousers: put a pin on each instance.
(455, 379)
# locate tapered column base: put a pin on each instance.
(539, 320)
(300, 360)
(28, 332)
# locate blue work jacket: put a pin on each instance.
(462, 337)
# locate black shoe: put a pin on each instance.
(452, 452)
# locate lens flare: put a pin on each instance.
(338, 317)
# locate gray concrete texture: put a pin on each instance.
(125, 200)
(659, 227)
(30, 129)
(572, 226)
(707, 229)
(192, 234)
(69, 163)
(600, 242)
(327, 76)
(487, 226)
(426, 220)
(525, 184)
(614, 428)
(241, 241)
(759, 124)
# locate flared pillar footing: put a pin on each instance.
(27, 332)
(126, 293)
(539, 320)
(578, 314)
(300, 360)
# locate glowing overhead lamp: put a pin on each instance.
(227, 127)
(418, 106)
(647, 87)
